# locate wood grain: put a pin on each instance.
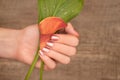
(98, 56)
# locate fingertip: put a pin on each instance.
(70, 30)
(77, 34)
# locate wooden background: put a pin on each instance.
(98, 55)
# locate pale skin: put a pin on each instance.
(21, 45)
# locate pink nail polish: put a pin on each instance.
(45, 50)
(50, 44)
(54, 38)
(41, 53)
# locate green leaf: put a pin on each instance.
(65, 9)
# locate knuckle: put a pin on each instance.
(67, 60)
(76, 40)
(46, 68)
(52, 67)
(73, 51)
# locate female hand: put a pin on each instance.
(58, 50)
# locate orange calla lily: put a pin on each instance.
(48, 27)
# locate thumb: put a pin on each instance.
(70, 30)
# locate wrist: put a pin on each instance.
(9, 43)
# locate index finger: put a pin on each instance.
(70, 30)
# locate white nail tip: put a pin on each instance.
(45, 50)
(41, 53)
(50, 44)
(55, 37)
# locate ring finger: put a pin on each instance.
(56, 56)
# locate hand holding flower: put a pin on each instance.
(61, 47)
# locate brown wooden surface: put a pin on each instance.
(98, 55)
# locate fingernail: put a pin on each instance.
(45, 50)
(41, 53)
(54, 38)
(50, 44)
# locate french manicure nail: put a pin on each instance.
(45, 50)
(41, 53)
(50, 44)
(54, 38)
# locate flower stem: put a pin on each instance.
(41, 70)
(33, 65)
